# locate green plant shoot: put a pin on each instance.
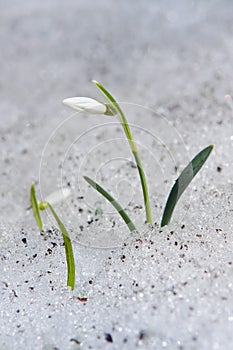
(67, 242)
(114, 203)
(68, 249)
(183, 181)
(35, 207)
(133, 147)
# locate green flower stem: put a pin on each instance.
(68, 249)
(133, 147)
(114, 203)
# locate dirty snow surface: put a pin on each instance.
(169, 64)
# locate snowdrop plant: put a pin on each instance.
(111, 108)
(53, 199)
(91, 106)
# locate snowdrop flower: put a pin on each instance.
(55, 198)
(88, 105)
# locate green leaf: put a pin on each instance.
(183, 181)
(133, 146)
(68, 249)
(35, 207)
(114, 203)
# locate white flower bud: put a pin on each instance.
(55, 198)
(85, 105)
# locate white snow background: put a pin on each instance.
(169, 63)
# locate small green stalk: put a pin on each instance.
(133, 147)
(114, 203)
(68, 249)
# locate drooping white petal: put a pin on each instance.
(85, 104)
(58, 196)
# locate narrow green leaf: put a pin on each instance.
(183, 181)
(68, 249)
(35, 207)
(133, 146)
(114, 203)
